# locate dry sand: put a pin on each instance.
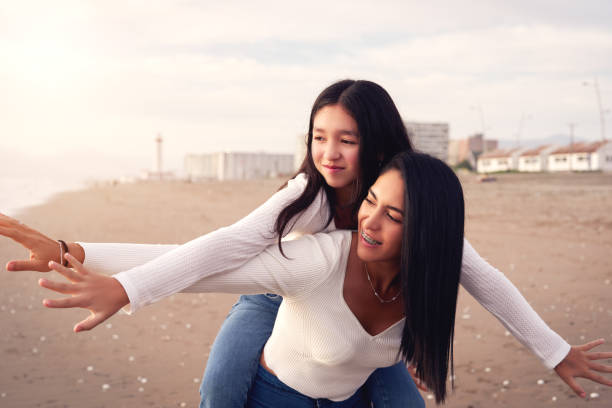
(550, 234)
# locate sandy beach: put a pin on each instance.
(550, 234)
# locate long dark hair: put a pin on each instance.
(382, 134)
(430, 266)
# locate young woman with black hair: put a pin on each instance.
(356, 301)
(354, 130)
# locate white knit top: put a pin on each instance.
(149, 273)
(318, 346)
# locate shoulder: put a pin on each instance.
(325, 247)
(298, 183)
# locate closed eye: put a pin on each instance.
(392, 218)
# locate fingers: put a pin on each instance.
(600, 367)
(590, 345)
(599, 356)
(76, 264)
(74, 301)
(574, 386)
(91, 322)
(64, 288)
(70, 274)
(598, 378)
(14, 266)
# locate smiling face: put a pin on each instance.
(381, 219)
(335, 146)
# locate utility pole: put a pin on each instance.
(602, 112)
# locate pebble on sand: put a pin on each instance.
(105, 387)
(131, 358)
(594, 395)
(554, 398)
(506, 383)
(196, 380)
(540, 382)
(487, 369)
(89, 368)
(109, 325)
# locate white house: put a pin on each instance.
(592, 156)
(498, 160)
(535, 160)
(237, 165)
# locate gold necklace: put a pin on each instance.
(380, 299)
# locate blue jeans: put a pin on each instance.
(270, 392)
(234, 360)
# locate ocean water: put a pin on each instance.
(20, 192)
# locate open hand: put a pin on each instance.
(42, 248)
(580, 362)
(102, 295)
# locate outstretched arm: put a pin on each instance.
(224, 249)
(500, 297)
(308, 263)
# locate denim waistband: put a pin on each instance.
(357, 400)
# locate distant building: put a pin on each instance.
(499, 160)
(237, 166)
(535, 160)
(300, 151)
(430, 138)
(469, 149)
(582, 156)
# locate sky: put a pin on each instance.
(86, 86)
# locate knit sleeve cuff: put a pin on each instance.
(132, 293)
(557, 356)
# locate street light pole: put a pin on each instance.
(602, 120)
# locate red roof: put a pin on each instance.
(581, 147)
(498, 153)
(536, 151)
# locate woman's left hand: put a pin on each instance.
(102, 295)
(580, 362)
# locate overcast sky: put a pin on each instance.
(99, 79)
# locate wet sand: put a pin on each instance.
(550, 234)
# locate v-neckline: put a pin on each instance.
(348, 308)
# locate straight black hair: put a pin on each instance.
(430, 266)
(382, 134)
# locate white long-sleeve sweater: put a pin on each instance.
(318, 346)
(149, 273)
